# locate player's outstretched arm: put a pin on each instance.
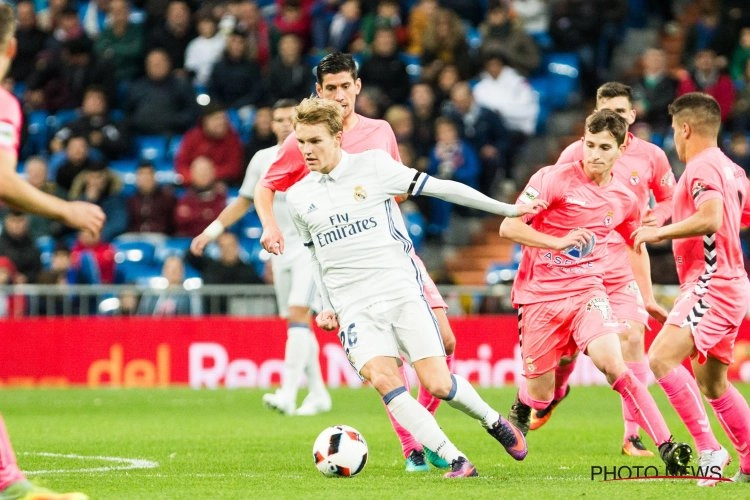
(461, 194)
(706, 220)
(231, 214)
(516, 230)
(271, 239)
(23, 196)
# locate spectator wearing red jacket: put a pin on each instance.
(203, 200)
(93, 259)
(214, 138)
(709, 77)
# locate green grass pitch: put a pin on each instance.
(187, 444)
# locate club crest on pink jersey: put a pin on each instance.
(609, 218)
(634, 178)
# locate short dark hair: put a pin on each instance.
(284, 103)
(614, 89)
(701, 111)
(606, 119)
(336, 62)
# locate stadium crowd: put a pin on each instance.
(153, 108)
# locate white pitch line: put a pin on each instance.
(124, 463)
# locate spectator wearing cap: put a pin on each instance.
(17, 244)
(215, 138)
(160, 102)
(151, 207)
(100, 185)
(235, 78)
(60, 80)
(103, 133)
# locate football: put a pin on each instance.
(340, 451)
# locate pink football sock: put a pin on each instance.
(640, 370)
(562, 374)
(642, 406)
(684, 395)
(537, 404)
(9, 471)
(734, 415)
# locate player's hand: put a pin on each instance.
(272, 240)
(199, 244)
(655, 310)
(577, 237)
(84, 216)
(645, 234)
(532, 207)
(327, 320)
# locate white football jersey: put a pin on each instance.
(258, 166)
(356, 228)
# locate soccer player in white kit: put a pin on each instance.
(292, 281)
(370, 284)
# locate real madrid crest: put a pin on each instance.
(359, 193)
(634, 179)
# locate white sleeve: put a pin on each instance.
(458, 193)
(252, 176)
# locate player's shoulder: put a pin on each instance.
(10, 108)
(374, 125)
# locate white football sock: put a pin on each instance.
(295, 359)
(312, 367)
(468, 400)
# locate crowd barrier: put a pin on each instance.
(213, 352)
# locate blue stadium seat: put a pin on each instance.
(173, 146)
(135, 272)
(415, 226)
(62, 118)
(151, 147)
(505, 271)
(563, 71)
(253, 252)
(139, 251)
(242, 120)
(249, 225)
(175, 245)
(37, 127)
(46, 245)
(125, 169)
(413, 66)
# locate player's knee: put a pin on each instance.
(657, 363)
(440, 387)
(449, 343)
(712, 389)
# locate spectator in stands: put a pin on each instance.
(387, 14)
(65, 165)
(483, 129)
(371, 102)
(60, 80)
(741, 106)
(151, 207)
(203, 200)
(227, 269)
(100, 185)
(262, 136)
(174, 35)
(49, 15)
(204, 50)
(35, 171)
(740, 56)
(654, 91)
(701, 34)
(160, 102)
(103, 133)
(447, 77)
(12, 305)
(444, 42)
(384, 69)
(454, 159)
(419, 18)
(250, 22)
(499, 27)
(739, 150)
(533, 15)
(16, 244)
(424, 112)
(122, 42)
(60, 271)
(292, 18)
(170, 299)
(215, 138)
(502, 89)
(289, 75)
(92, 259)
(235, 78)
(708, 76)
(67, 27)
(342, 30)
(31, 41)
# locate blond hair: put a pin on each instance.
(314, 110)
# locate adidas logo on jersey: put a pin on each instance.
(311, 208)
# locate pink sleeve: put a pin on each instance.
(704, 183)
(662, 185)
(573, 153)
(10, 123)
(745, 220)
(392, 146)
(288, 167)
(630, 224)
(537, 188)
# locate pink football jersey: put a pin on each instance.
(574, 202)
(10, 122)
